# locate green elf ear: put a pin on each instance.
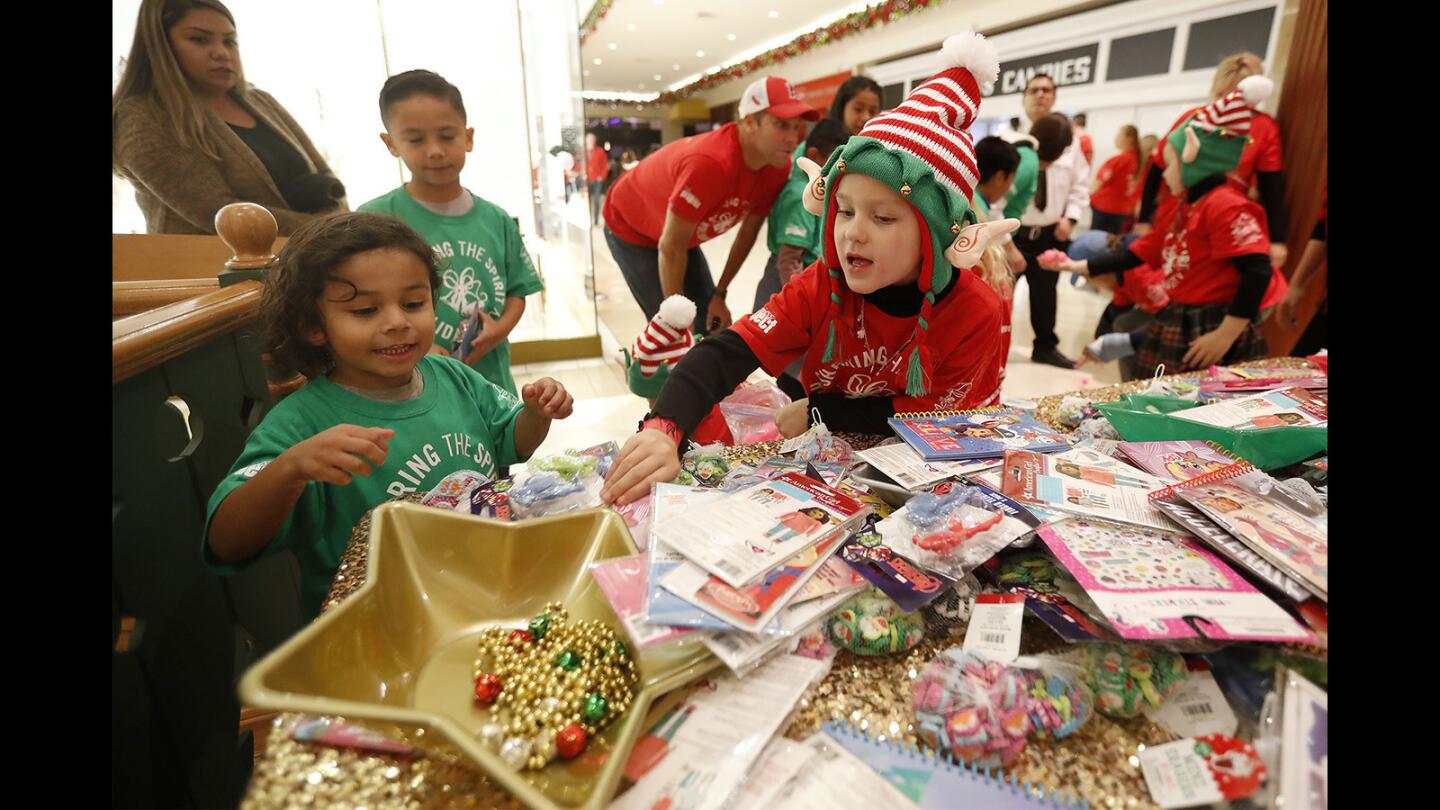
(970, 245)
(1192, 145)
(813, 197)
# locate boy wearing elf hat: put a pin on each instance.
(1210, 242)
(891, 318)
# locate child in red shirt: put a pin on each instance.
(1210, 242)
(884, 321)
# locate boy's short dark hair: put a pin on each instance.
(827, 136)
(289, 305)
(1041, 75)
(993, 155)
(401, 86)
(1053, 135)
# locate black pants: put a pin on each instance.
(1106, 221)
(1032, 241)
(640, 266)
(1317, 335)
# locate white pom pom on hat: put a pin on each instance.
(973, 52)
(1256, 89)
(677, 311)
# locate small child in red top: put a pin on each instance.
(884, 321)
(1210, 242)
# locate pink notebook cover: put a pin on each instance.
(1147, 582)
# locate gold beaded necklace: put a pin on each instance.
(550, 688)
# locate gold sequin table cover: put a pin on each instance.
(1097, 763)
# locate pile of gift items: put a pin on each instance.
(1183, 575)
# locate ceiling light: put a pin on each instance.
(587, 71)
(700, 54)
(599, 61)
(674, 67)
(774, 14)
(730, 37)
(611, 46)
(642, 85)
(630, 26)
(657, 77)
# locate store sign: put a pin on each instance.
(1072, 66)
(819, 93)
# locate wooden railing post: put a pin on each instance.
(249, 231)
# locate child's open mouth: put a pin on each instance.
(857, 262)
(396, 351)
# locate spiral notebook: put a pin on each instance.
(1251, 506)
(982, 433)
(933, 783)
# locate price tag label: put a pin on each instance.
(994, 629)
(1196, 708)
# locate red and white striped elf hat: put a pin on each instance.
(667, 336)
(933, 122)
(1232, 112)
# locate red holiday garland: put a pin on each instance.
(879, 14)
(592, 19)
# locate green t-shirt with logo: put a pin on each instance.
(1025, 176)
(460, 421)
(482, 259)
(789, 222)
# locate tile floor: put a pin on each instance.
(605, 408)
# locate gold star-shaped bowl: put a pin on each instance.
(397, 655)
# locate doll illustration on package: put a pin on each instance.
(805, 522)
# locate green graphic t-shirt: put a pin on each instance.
(483, 261)
(461, 421)
(789, 222)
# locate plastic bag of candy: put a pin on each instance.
(750, 411)
(1125, 678)
(705, 465)
(872, 624)
(983, 712)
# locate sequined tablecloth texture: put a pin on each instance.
(1098, 763)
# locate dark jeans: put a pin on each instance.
(1105, 221)
(1032, 242)
(640, 266)
(769, 282)
(595, 200)
(1136, 320)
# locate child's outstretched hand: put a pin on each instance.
(337, 455)
(548, 398)
(649, 457)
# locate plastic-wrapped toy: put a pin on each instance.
(750, 411)
(952, 533)
(1096, 427)
(453, 491)
(982, 711)
(492, 500)
(821, 446)
(1124, 678)
(705, 464)
(871, 624)
(546, 493)
(950, 614)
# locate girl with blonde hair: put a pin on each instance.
(192, 136)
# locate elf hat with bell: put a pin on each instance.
(1212, 140)
(924, 151)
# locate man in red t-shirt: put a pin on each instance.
(694, 189)
(596, 166)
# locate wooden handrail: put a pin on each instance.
(130, 297)
(143, 341)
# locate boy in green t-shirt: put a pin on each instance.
(791, 232)
(485, 265)
(352, 307)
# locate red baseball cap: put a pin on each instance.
(777, 97)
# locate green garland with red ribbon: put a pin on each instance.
(592, 19)
(879, 14)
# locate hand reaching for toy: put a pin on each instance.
(337, 455)
(793, 419)
(650, 457)
(548, 398)
(490, 336)
(1055, 260)
(717, 315)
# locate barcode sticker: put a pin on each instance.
(994, 629)
(728, 567)
(1196, 708)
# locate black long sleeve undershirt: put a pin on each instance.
(715, 366)
(1153, 177)
(1272, 199)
